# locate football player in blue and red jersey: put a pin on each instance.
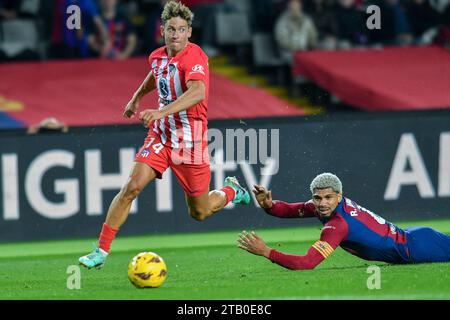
(177, 136)
(345, 223)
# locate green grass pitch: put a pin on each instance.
(210, 266)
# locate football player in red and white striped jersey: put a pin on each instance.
(177, 136)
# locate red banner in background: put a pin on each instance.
(95, 92)
(396, 78)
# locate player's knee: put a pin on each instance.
(198, 213)
(130, 191)
(218, 194)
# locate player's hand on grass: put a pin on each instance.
(252, 243)
(263, 196)
(131, 108)
(149, 115)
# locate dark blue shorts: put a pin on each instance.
(427, 245)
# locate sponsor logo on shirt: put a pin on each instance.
(198, 69)
(163, 87)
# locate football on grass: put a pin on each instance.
(147, 270)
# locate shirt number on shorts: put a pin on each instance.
(157, 147)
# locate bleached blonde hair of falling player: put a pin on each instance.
(326, 180)
(174, 9)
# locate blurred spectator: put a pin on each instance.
(294, 31)
(424, 18)
(264, 14)
(50, 124)
(395, 26)
(443, 33)
(322, 14)
(66, 43)
(446, 15)
(130, 8)
(9, 9)
(137, 12)
(121, 34)
(30, 8)
(152, 33)
(350, 25)
(19, 34)
(440, 5)
(204, 23)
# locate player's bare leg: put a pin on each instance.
(119, 209)
(207, 204)
(140, 176)
(210, 202)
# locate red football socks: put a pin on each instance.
(106, 237)
(229, 192)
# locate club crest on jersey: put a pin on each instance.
(145, 153)
(172, 68)
(163, 87)
(198, 69)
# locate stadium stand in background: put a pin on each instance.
(273, 44)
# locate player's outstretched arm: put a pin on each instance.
(146, 87)
(333, 233)
(254, 244)
(282, 209)
(297, 262)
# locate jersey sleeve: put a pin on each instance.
(283, 209)
(196, 66)
(332, 234)
(150, 58)
(153, 55)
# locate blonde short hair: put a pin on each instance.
(326, 180)
(174, 9)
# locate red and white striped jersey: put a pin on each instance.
(182, 129)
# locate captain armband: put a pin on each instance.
(324, 248)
